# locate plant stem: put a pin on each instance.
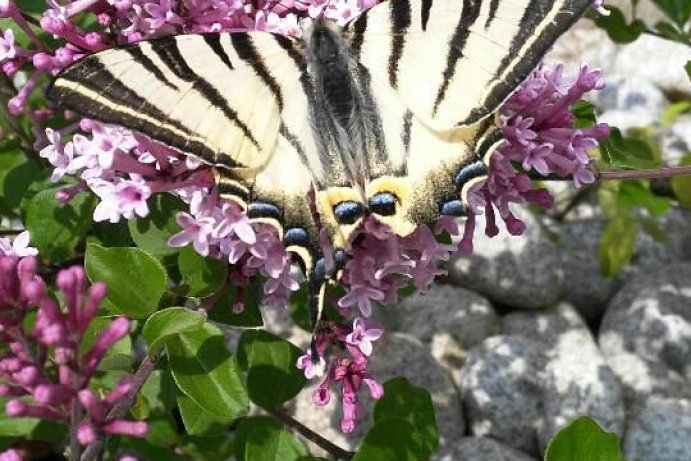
(664, 172)
(120, 409)
(75, 419)
(334, 450)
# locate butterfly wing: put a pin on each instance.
(217, 96)
(453, 62)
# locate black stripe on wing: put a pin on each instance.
(246, 50)
(214, 42)
(168, 51)
(400, 22)
(533, 16)
(149, 65)
(469, 14)
(123, 106)
(425, 7)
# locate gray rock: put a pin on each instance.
(501, 390)
(662, 432)
(394, 355)
(676, 140)
(544, 326)
(449, 319)
(519, 271)
(577, 380)
(651, 320)
(630, 102)
(480, 449)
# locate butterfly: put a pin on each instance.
(390, 116)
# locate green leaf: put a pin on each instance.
(56, 228)
(636, 194)
(617, 243)
(168, 322)
(16, 427)
(675, 110)
(687, 67)
(136, 280)
(264, 439)
(272, 377)
(250, 317)
(627, 152)
(583, 440)
(391, 439)
(412, 404)
(204, 370)
(199, 422)
(31, 6)
(160, 391)
(16, 176)
(118, 357)
(152, 233)
(670, 31)
(681, 185)
(584, 112)
(201, 276)
(676, 10)
(616, 26)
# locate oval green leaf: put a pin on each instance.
(584, 439)
(151, 234)
(264, 439)
(168, 322)
(201, 276)
(57, 228)
(272, 377)
(199, 422)
(204, 370)
(136, 280)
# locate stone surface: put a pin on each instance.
(501, 390)
(395, 355)
(480, 449)
(650, 319)
(630, 102)
(676, 140)
(449, 319)
(518, 271)
(664, 60)
(576, 379)
(662, 432)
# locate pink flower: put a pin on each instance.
(121, 198)
(19, 246)
(196, 230)
(7, 48)
(11, 455)
(364, 332)
(311, 369)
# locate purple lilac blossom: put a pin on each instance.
(44, 381)
(125, 170)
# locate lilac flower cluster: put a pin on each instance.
(43, 371)
(538, 128)
(125, 170)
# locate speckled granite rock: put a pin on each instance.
(650, 319)
(662, 432)
(518, 271)
(481, 449)
(449, 319)
(576, 378)
(502, 392)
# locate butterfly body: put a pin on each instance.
(391, 116)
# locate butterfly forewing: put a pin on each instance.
(217, 96)
(453, 62)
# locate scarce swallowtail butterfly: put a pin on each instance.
(390, 116)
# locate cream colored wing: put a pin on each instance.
(217, 96)
(453, 62)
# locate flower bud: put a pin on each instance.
(16, 408)
(132, 428)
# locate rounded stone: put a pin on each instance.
(522, 271)
(449, 320)
(502, 392)
(661, 432)
(481, 449)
